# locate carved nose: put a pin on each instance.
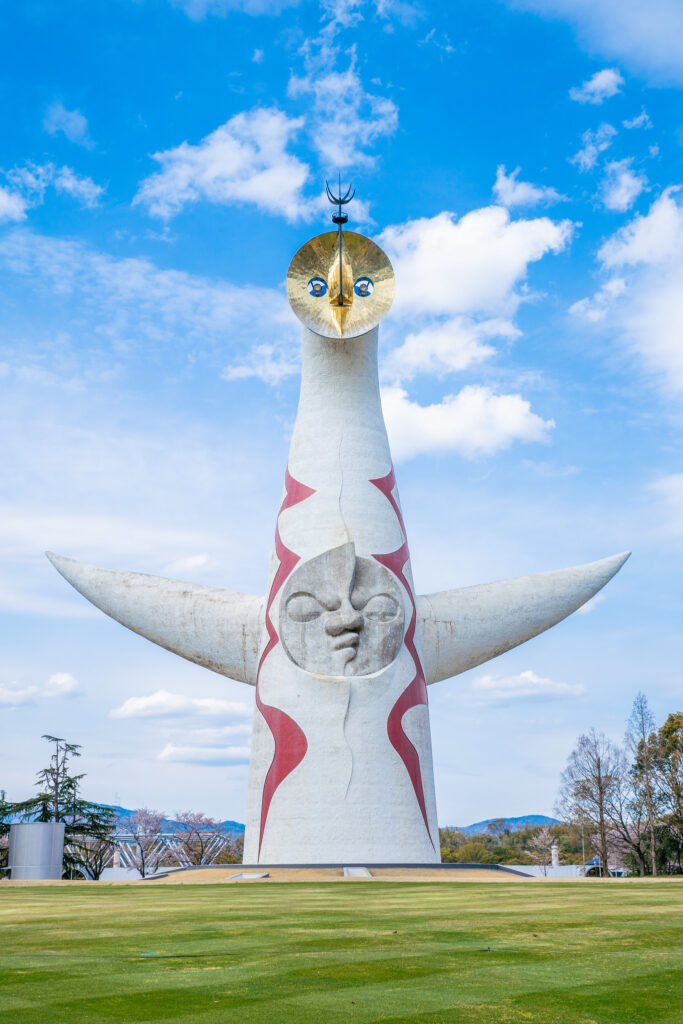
(345, 620)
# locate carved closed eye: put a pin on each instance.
(381, 608)
(304, 608)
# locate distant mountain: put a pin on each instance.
(232, 828)
(236, 828)
(514, 824)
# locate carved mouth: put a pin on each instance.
(347, 641)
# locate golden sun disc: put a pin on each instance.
(366, 298)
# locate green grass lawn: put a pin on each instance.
(361, 951)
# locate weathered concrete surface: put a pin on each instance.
(463, 628)
(216, 628)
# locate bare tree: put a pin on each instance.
(197, 836)
(541, 847)
(642, 746)
(587, 787)
(148, 852)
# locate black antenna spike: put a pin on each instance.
(339, 219)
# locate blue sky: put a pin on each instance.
(161, 162)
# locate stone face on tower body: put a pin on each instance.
(340, 650)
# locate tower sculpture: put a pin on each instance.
(341, 650)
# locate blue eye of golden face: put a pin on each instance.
(363, 287)
(317, 287)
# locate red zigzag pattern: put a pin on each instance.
(290, 741)
(416, 691)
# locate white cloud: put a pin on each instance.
(12, 205)
(130, 299)
(61, 684)
(641, 121)
(512, 192)
(14, 694)
(257, 57)
(266, 362)
(647, 38)
(344, 119)
(598, 306)
(163, 704)
(205, 755)
(642, 302)
(525, 686)
(447, 346)
(83, 189)
(652, 238)
(600, 87)
(472, 265)
(594, 143)
(70, 123)
(473, 422)
(33, 180)
(245, 160)
(621, 185)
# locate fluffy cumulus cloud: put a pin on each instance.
(70, 123)
(473, 422)
(641, 302)
(600, 87)
(15, 694)
(524, 686)
(594, 143)
(621, 185)
(163, 704)
(61, 684)
(450, 266)
(459, 282)
(447, 346)
(245, 160)
(647, 38)
(510, 191)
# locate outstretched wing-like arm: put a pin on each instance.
(219, 629)
(463, 628)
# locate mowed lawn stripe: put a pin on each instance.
(307, 952)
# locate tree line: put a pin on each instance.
(628, 797)
(620, 804)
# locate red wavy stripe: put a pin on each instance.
(416, 691)
(290, 741)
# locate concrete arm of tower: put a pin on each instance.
(219, 629)
(460, 629)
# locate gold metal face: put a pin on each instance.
(365, 280)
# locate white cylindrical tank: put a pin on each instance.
(36, 850)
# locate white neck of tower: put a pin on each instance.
(339, 446)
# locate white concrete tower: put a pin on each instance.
(341, 649)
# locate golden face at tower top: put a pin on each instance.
(340, 298)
